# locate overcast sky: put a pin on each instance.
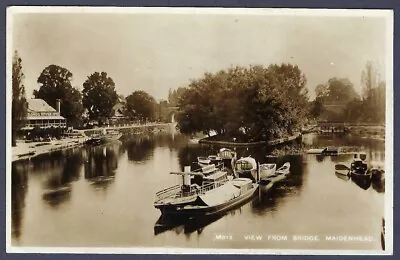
(156, 52)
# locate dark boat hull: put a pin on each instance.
(210, 210)
(250, 174)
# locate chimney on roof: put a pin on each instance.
(58, 105)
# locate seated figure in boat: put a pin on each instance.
(359, 164)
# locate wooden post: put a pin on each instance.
(186, 177)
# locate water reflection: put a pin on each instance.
(267, 202)
(342, 176)
(19, 188)
(101, 164)
(60, 174)
(57, 182)
(378, 182)
(361, 181)
(140, 148)
(189, 225)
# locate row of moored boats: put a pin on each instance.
(359, 168)
(212, 188)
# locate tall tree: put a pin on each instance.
(99, 96)
(369, 79)
(19, 104)
(140, 105)
(55, 84)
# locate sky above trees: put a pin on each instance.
(156, 52)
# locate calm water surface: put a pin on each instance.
(104, 197)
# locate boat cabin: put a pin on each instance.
(243, 184)
(226, 153)
(246, 164)
(217, 179)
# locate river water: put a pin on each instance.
(103, 197)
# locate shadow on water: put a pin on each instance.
(379, 184)
(345, 177)
(139, 148)
(187, 224)
(364, 182)
(101, 163)
(190, 224)
(57, 186)
(292, 185)
(19, 188)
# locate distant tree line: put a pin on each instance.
(369, 107)
(246, 103)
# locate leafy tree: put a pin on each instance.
(255, 103)
(316, 108)
(322, 92)
(175, 95)
(99, 96)
(369, 78)
(140, 105)
(337, 90)
(354, 110)
(55, 84)
(19, 104)
(341, 90)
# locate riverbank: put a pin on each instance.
(24, 151)
(216, 140)
(131, 129)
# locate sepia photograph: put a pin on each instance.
(199, 130)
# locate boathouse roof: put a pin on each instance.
(38, 109)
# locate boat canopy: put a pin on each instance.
(220, 195)
(268, 166)
(377, 165)
(215, 176)
(246, 164)
(239, 182)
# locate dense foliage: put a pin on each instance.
(55, 84)
(254, 103)
(99, 96)
(140, 106)
(19, 105)
(175, 95)
(340, 102)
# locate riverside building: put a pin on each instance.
(41, 115)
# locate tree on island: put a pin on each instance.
(252, 104)
(140, 106)
(99, 96)
(19, 104)
(337, 90)
(55, 84)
